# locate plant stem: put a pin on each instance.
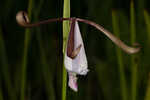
(133, 57)
(147, 97)
(119, 59)
(147, 21)
(25, 52)
(66, 28)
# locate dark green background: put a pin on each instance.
(44, 55)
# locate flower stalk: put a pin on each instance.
(134, 58)
(66, 14)
(120, 61)
(23, 20)
(25, 52)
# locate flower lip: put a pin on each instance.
(73, 81)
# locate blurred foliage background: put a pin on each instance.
(31, 59)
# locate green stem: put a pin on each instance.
(147, 96)
(120, 59)
(133, 57)
(25, 52)
(147, 21)
(66, 28)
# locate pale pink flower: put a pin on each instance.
(77, 65)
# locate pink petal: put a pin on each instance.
(73, 82)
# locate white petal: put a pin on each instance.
(79, 63)
(73, 81)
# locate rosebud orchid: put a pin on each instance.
(75, 58)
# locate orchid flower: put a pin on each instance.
(75, 58)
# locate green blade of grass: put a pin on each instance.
(66, 28)
(147, 21)
(147, 96)
(25, 52)
(119, 59)
(133, 57)
(132, 26)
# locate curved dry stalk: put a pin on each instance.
(23, 20)
(117, 41)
